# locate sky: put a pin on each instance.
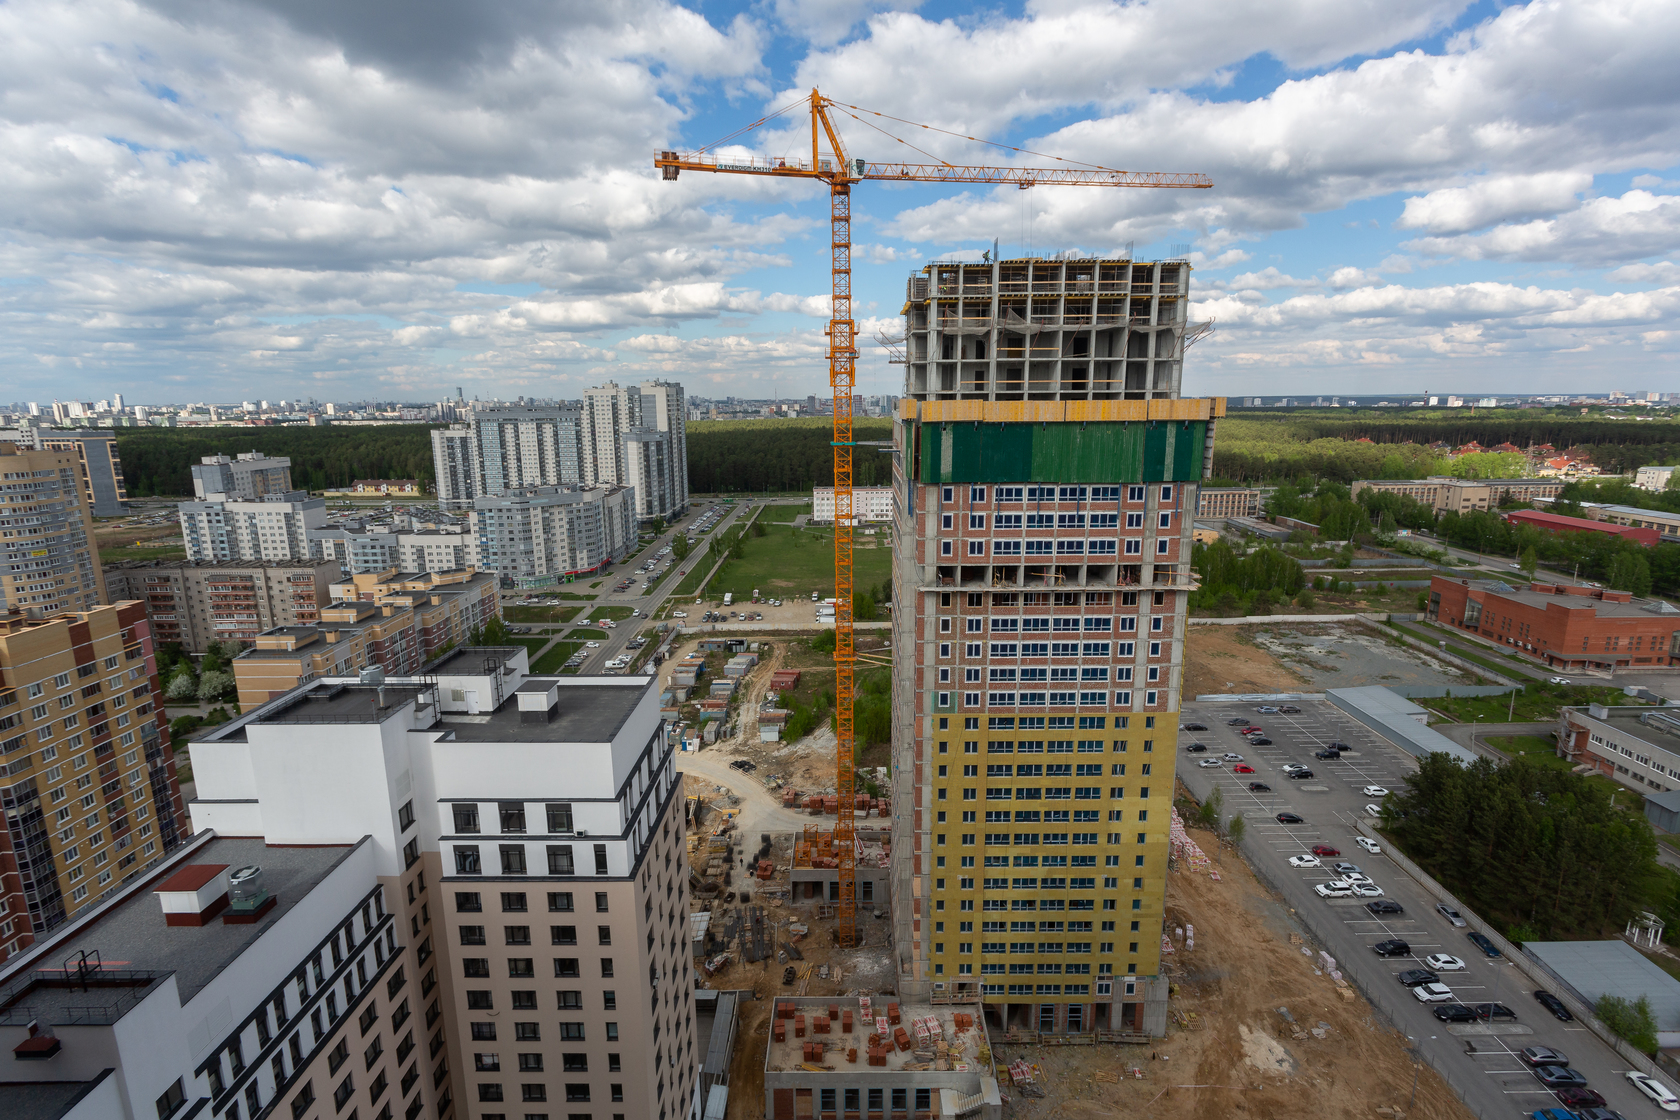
(204, 200)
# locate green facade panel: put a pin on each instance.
(1093, 453)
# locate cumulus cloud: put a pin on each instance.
(1494, 198)
(1603, 231)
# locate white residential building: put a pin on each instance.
(273, 528)
(452, 462)
(548, 535)
(869, 503)
(1653, 478)
(410, 550)
(246, 477)
(515, 447)
(637, 436)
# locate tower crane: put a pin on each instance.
(840, 171)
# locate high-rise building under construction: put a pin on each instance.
(1046, 472)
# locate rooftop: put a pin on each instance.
(340, 703)
(138, 949)
(1596, 968)
(469, 661)
(1662, 732)
(789, 1054)
(591, 710)
(43, 1100)
(1580, 598)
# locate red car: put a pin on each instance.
(1581, 1098)
(1242, 768)
(1249, 730)
(1324, 850)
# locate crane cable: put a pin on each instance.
(976, 139)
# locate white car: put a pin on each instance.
(1207, 762)
(1267, 709)
(635, 614)
(1656, 1090)
(1372, 809)
(1230, 757)
(1358, 879)
(1374, 791)
(1433, 993)
(1443, 962)
(1369, 844)
(1557, 680)
(679, 614)
(1366, 890)
(592, 645)
(1304, 861)
(1333, 890)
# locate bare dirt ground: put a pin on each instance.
(1302, 657)
(1239, 1056)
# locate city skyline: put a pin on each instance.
(429, 210)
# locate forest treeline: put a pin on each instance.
(728, 456)
(1252, 448)
(157, 462)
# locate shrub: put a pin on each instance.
(214, 685)
(182, 686)
(1633, 1021)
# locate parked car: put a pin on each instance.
(1481, 942)
(1369, 845)
(1240, 721)
(1290, 709)
(1373, 810)
(1300, 775)
(1385, 906)
(1196, 748)
(1231, 756)
(1417, 976)
(1294, 818)
(1325, 851)
(1393, 947)
(1554, 1005)
(1454, 1013)
(1242, 768)
(1259, 787)
(1366, 890)
(1291, 767)
(1193, 727)
(1251, 729)
(1580, 1098)
(1267, 709)
(1557, 680)
(1559, 1077)
(1327, 752)
(1656, 1090)
(1542, 1056)
(1207, 762)
(1444, 962)
(1432, 993)
(1374, 791)
(1333, 890)
(1259, 741)
(1344, 868)
(1451, 915)
(1304, 861)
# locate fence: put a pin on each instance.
(1529, 966)
(1250, 620)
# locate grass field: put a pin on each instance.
(540, 614)
(614, 614)
(112, 555)
(532, 645)
(786, 563)
(1534, 703)
(783, 514)
(551, 661)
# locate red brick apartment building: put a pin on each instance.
(1568, 627)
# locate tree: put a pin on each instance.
(1633, 1021)
(1387, 528)
(1630, 571)
(1209, 812)
(863, 606)
(181, 686)
(680, 548)
(214, 685)
(658, 526)
(1306, 600)
(1529, 561)
(1235, 829)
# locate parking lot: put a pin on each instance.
(1479, 1059)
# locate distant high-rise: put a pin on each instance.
(117, 401)
(519, 446)
(452, 463)
(637, 436)
(276, 527)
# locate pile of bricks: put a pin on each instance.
(1184, 848)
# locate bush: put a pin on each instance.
(1236, 828)
(214, 685)
(1306, 600)
(182, 686)
(824, 642)
(1633, 1021)
(1209, 812)
(184, 725)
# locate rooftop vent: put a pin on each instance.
(248, 899)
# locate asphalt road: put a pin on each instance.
(1479, 1060)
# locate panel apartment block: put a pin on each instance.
(89, 794)
(1041, 568)
(549, 535)
(48, 561)
(274, 527)
(102, 475)
(452, 464)
(245, 477)
(195, 604)
(519, 446)
(545, 817)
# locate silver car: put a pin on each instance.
(1451, 915)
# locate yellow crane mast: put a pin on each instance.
(840, 171)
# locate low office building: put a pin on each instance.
(548, 813)
(247, 477)
(404, 619)
(48, 561)
(1666, 524)
(89, 794)
(1558, 523)
(549, 535)
(869, 503)
(1636, 746)
(221, 529)
(1464, 495)
(1228, 501)
(1566, 626)
(820, 1060)
(197, 603)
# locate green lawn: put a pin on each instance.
(696, 564)
(551, 661)
(783, 514)
(786, 563)
(1536, 748)
(586, 634)
(614, 614)
(540, 614)
(112, 555)
(532, 645)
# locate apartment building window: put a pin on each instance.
(512, 814)
(601, 902)
(560, 902)
(600, 859)
(173, 1098)
(405, 816)
(466, 818)
(560, 818)
(513, 902)
(468, 902)
(466, 859)
(305, 1098)
(513, 859)
(563, 935)
(560, 858)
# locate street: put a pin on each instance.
(1480, 1059)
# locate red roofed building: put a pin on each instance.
(1567, 627)
(1557, 523)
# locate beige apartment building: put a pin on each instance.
(90, 792)
(197, 603)
(1461, 495)
(1228, 501)
(48, 561)
(390, 620)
